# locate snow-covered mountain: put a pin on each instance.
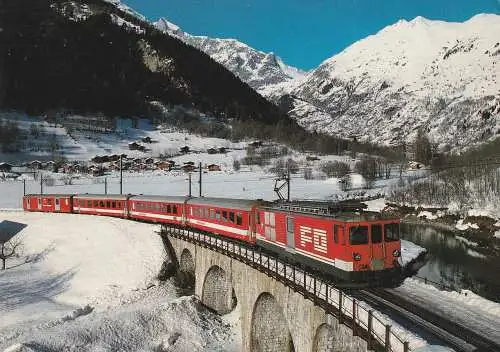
(444, 77)
(258, 69)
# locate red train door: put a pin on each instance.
(377, 247)
(57, 204)
(39, 203)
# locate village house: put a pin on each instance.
(213, 167)
(212, 151)
(185, 149)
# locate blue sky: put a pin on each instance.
(302, 32)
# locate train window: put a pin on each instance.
(101, 204)
(89, 203)
(207, 213)
(391, 232)
(212, 214)
(231, 217)
(49, 201)
(57, 201)
(224, 215)
(258, 217)
(96, 203)
(358, 235)
(217, 215)
(376, 233)
(108, 204)
(239, 219)
(289, 224)
(169, 208)
(113, 204)
(174, 209)
(336, 233)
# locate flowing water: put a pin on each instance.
(455, 262)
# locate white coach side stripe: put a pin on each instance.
(219, 227)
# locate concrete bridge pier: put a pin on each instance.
(274, 318)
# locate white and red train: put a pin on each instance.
(356, 247)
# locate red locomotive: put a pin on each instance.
(349, 245)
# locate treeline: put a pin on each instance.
(471, 178)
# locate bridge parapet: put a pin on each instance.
(280, 302)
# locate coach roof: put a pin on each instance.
(243, 204)
(102, 196)
(166, 199)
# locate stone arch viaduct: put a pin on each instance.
(274, 317)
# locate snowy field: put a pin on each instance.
(88, 284)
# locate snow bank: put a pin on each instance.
(376, 204)
(462, 227)
(88, 283)
(409, 252)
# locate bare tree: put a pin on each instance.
(9, 249)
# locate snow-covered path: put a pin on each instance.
(88, 283)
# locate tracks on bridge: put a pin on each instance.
(458, 337)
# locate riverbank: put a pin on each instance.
(481, 231)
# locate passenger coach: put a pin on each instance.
(99, 204)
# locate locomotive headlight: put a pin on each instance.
(396, 253)
(356, 257)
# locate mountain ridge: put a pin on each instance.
(257, 68)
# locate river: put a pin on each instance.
(454, 261)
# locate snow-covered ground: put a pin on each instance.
(88, 283)
(465, 307)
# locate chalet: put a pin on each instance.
(222, 150)
(164, 165)
(5, 167)
(212, 151)
(188, 168)
(136, 146)
(213, 167)
(185, 149)
(189, 163)
(149, 161)
(147, 140)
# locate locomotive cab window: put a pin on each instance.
(358, 235)
(391, 232)
(376, 233)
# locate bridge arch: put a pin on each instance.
(218, 293)
(325, 339)
(186, 275)
(269, 327)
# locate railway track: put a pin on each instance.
(456, 336)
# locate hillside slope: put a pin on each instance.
(92, 56)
